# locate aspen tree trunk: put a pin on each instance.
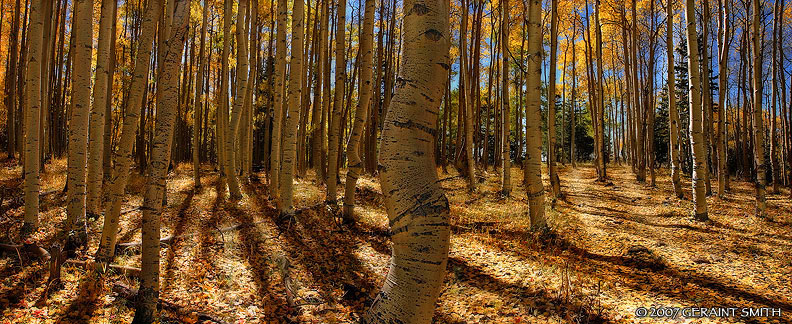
(555, 183)
(673, 114)
(355, 165)
(696, 107)
(601, 148)
(724, 38)
(97, 119)
(107, 144)
(81, 105)
(316, 117)
(465, 105)
(707, 95)
(533, 154)
(774, 99)
(326, 101)
(638, 115)
(758, 128)
(505, 106)
(199, 99)
(277, 119)
(247, 144)
(10, 81)
(123, 156)
(407, 170)
(295, 93)
(573, 112)
(232, 129)
(223, 108)
(337, 113)
(148, 296)
(31, 114)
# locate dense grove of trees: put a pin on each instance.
(395, 89)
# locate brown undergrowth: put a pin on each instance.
(612, 248)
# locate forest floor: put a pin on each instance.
(614, 247)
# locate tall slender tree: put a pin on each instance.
(123, 156)
(81, 105)
(198, 103)
(295, 93)
(33, 105)
(696, 110)
(505, 144)
(148, 296)
(97, 119)
(758, 128)
(673, 114)
(355, 165)
(533, 153)
(337, 113)
(555, 183)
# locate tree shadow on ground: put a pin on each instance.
(576, 309)
(660, 278)
(328, 256)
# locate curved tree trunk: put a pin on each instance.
(97, 119)
(337, 114)
(533, 154)
(31, 113)
(148, 296)
(295, 94)
(696, 107)
(420, 227)
(239, 100)
(673, 115)
(123, 156)
(361, 113)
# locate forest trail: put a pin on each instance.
(614, 248)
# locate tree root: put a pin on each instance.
(130, 294)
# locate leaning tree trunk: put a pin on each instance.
(123, 156)
(336, 115)
(32, 110)
(420, 227)
(555, 182)
(239, 101)
(696, 107)
(673, 115)
(758, 128)
(168, 80)
(293, 116)
(97, 119)
(81, 105)
(533, 154)
(198, 103)
(355, 165)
